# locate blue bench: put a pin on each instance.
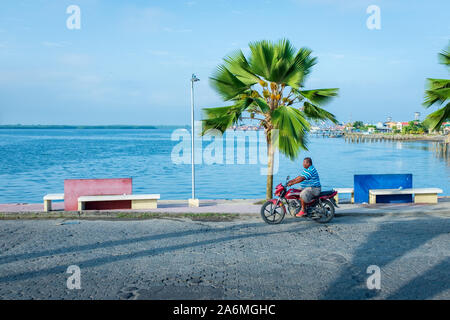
(365, 182)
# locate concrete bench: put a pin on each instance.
(51, 197)
(344, 190)
(421, 195)
(138, 201)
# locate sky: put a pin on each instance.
(131, 61)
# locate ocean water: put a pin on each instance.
(36, 162)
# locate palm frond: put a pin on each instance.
(238, 65)
(438, 92)
(222, 118)
(436, 119)
(300, 67)
(292, 126)
(438, 96)
(262, 58)
(284, 57)
(438, 83)
(444, 56)
(227, 84)
(319, 96)
(316, 113)
(262, 104)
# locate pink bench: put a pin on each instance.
(75, 188)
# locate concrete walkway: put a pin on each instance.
(245, 206)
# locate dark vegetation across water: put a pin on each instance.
(39, 126)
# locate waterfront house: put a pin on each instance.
(382, 127)
(446, 126)
(391, 124)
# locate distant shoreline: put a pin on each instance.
(395, 137)
(12, 126)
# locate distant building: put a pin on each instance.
(246, 128)
(391, 124)
(446, 127)
(338, 128)
(382, 127)
(400, 125)
(416, 116)
(348, 127)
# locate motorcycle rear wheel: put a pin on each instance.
(328, 207)
(271, 213)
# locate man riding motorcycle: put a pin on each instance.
(310, 182)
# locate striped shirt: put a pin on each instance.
(311, 177)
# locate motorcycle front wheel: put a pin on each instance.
(271, 213)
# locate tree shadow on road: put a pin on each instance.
(391, 241)
(113, 243)
(434, 281)
(143, 253)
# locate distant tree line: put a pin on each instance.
(413, 127)
(41, 126)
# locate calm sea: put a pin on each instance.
(36, 162)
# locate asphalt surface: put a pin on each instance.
(179, 258)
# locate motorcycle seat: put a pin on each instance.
(326, 193)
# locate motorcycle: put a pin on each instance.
(321, 209)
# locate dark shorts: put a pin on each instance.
(309, 193)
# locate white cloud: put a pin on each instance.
(333, 55)
(56, 44)
(151, 19)
(76, 60)
(398, 61)
(144, 20)
(172, 30)
(159, 52)
(339, 3)
(88, 79)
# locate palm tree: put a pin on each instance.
(268, 86)
(438, 92)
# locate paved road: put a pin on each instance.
(242, 259)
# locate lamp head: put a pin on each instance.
(194, 78)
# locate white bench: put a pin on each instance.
(138, 201)
(421, 195)
(51, 197)
(345, 190)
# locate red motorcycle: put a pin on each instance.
(320, 209)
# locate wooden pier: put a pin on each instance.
(441, 146)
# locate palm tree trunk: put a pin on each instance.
(269, 185)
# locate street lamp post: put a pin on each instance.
(193, 202)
